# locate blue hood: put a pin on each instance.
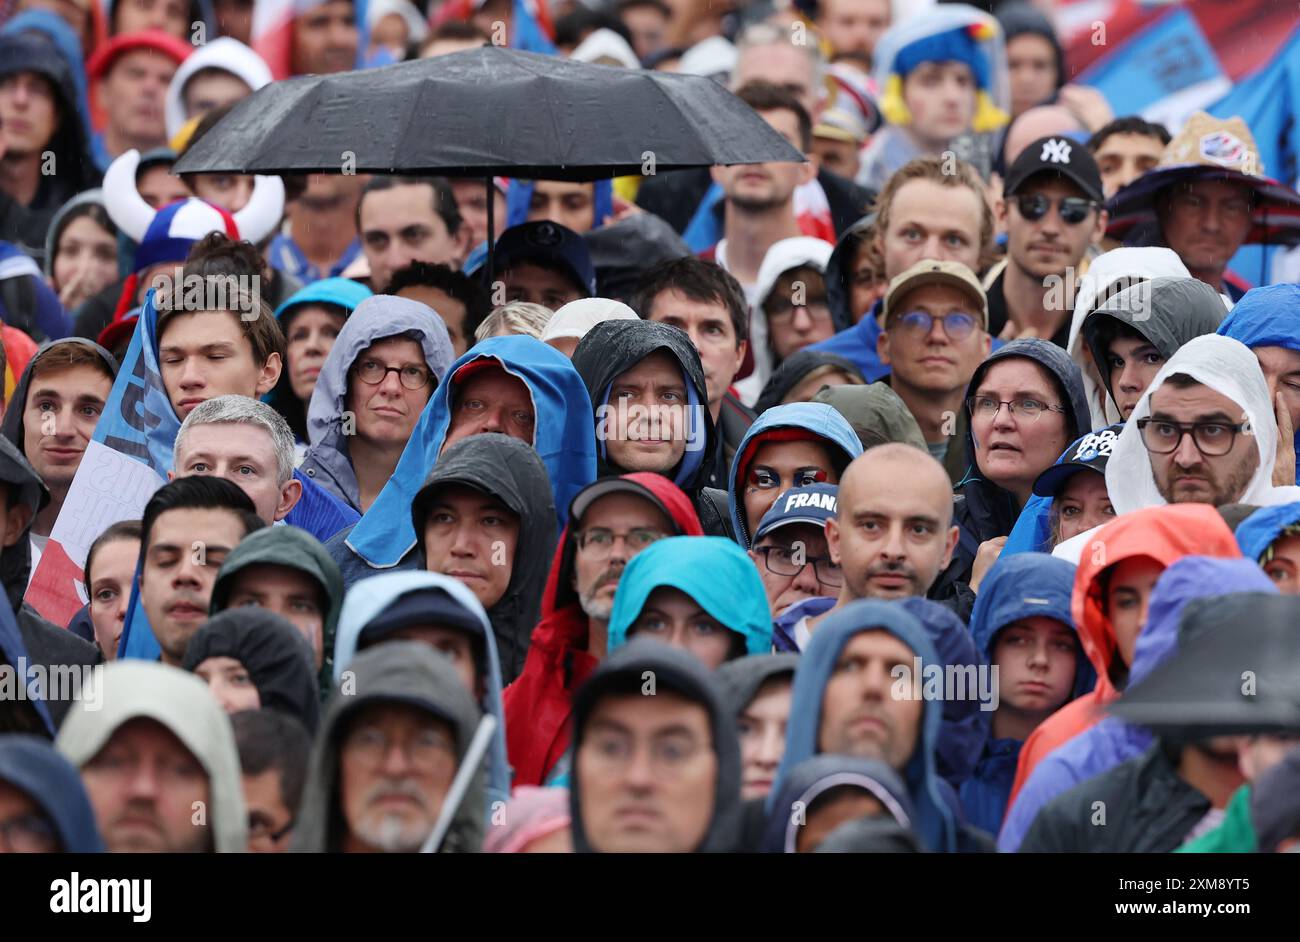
(344, 292)
(1261, 529)
(814, 777)
(34, 767)
(815, 417)
(1267, 317)
(370, 597)
(1022, 586)
(934, 818)
(375, 318)
(1112, 741)
(564, 438)
(710, 569)
(965, 727)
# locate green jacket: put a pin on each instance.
(1236, 835)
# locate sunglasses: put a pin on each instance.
(1074, 209)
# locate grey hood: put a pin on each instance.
(52, 234)
(16, 560)
(511, 472)
(742, 678)
(405, 672)
(181, 702)
(1168, 311)
(376, 318)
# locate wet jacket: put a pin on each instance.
(682, 673)
(876, 412)
(1113, 741)
(1167, 311)
(1149, 810)
(814, 777)
(713, 571)
(563, 437)
(1165, 534)
(277, 658)
(371, 599)
(48, 646)
(327, 462)
(296, 549)
(511, 472)
(795, 421)
(134, 689)
(1017, 587)
(934, 821)
(983, 510)
(406, 672)
(539, 702)
(31, 765)
(1267, 317)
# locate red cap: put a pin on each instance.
(99, 63)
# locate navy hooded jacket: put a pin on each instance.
(34, 767)
(1017, 587)
(934, 820)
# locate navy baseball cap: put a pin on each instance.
(421, 607)
(814, 504)
(1091, 452)
(549, 244)
(1060, 156)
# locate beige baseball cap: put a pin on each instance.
(933, 272)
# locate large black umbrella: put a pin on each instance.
(484, 112)
(1236, 672)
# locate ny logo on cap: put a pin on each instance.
(546, 234)
(1057, 151)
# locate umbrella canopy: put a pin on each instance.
(488, 111)
(1237, 671)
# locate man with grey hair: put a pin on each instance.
(246, 442)
(766, 52)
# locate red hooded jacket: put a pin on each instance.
(1165, 534)
(538, 703)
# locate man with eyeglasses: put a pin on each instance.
(1052, 212)
(790, 550)
(1204, 432)
(43, 806)
(1207, 198)
(934, 334)
(389, 750)
(610, 521)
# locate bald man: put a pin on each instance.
(894, 532)
(1041, 121)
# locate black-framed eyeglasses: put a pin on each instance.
(260, 829)
(789, 561)
(412, 376)
(781, 309)
(958, 325)
(598, 542)
(1212, 439)
(1073, 209)
(986, 407)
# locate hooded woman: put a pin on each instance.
(1022, 624)
(81, 249)
(311, 320)
(251, 659)
(382, 370)
(700, 593)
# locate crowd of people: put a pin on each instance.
(694, 520)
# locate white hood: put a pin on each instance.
(796, 252)
(1226, 366)
(1105, 270)
(224, 53)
